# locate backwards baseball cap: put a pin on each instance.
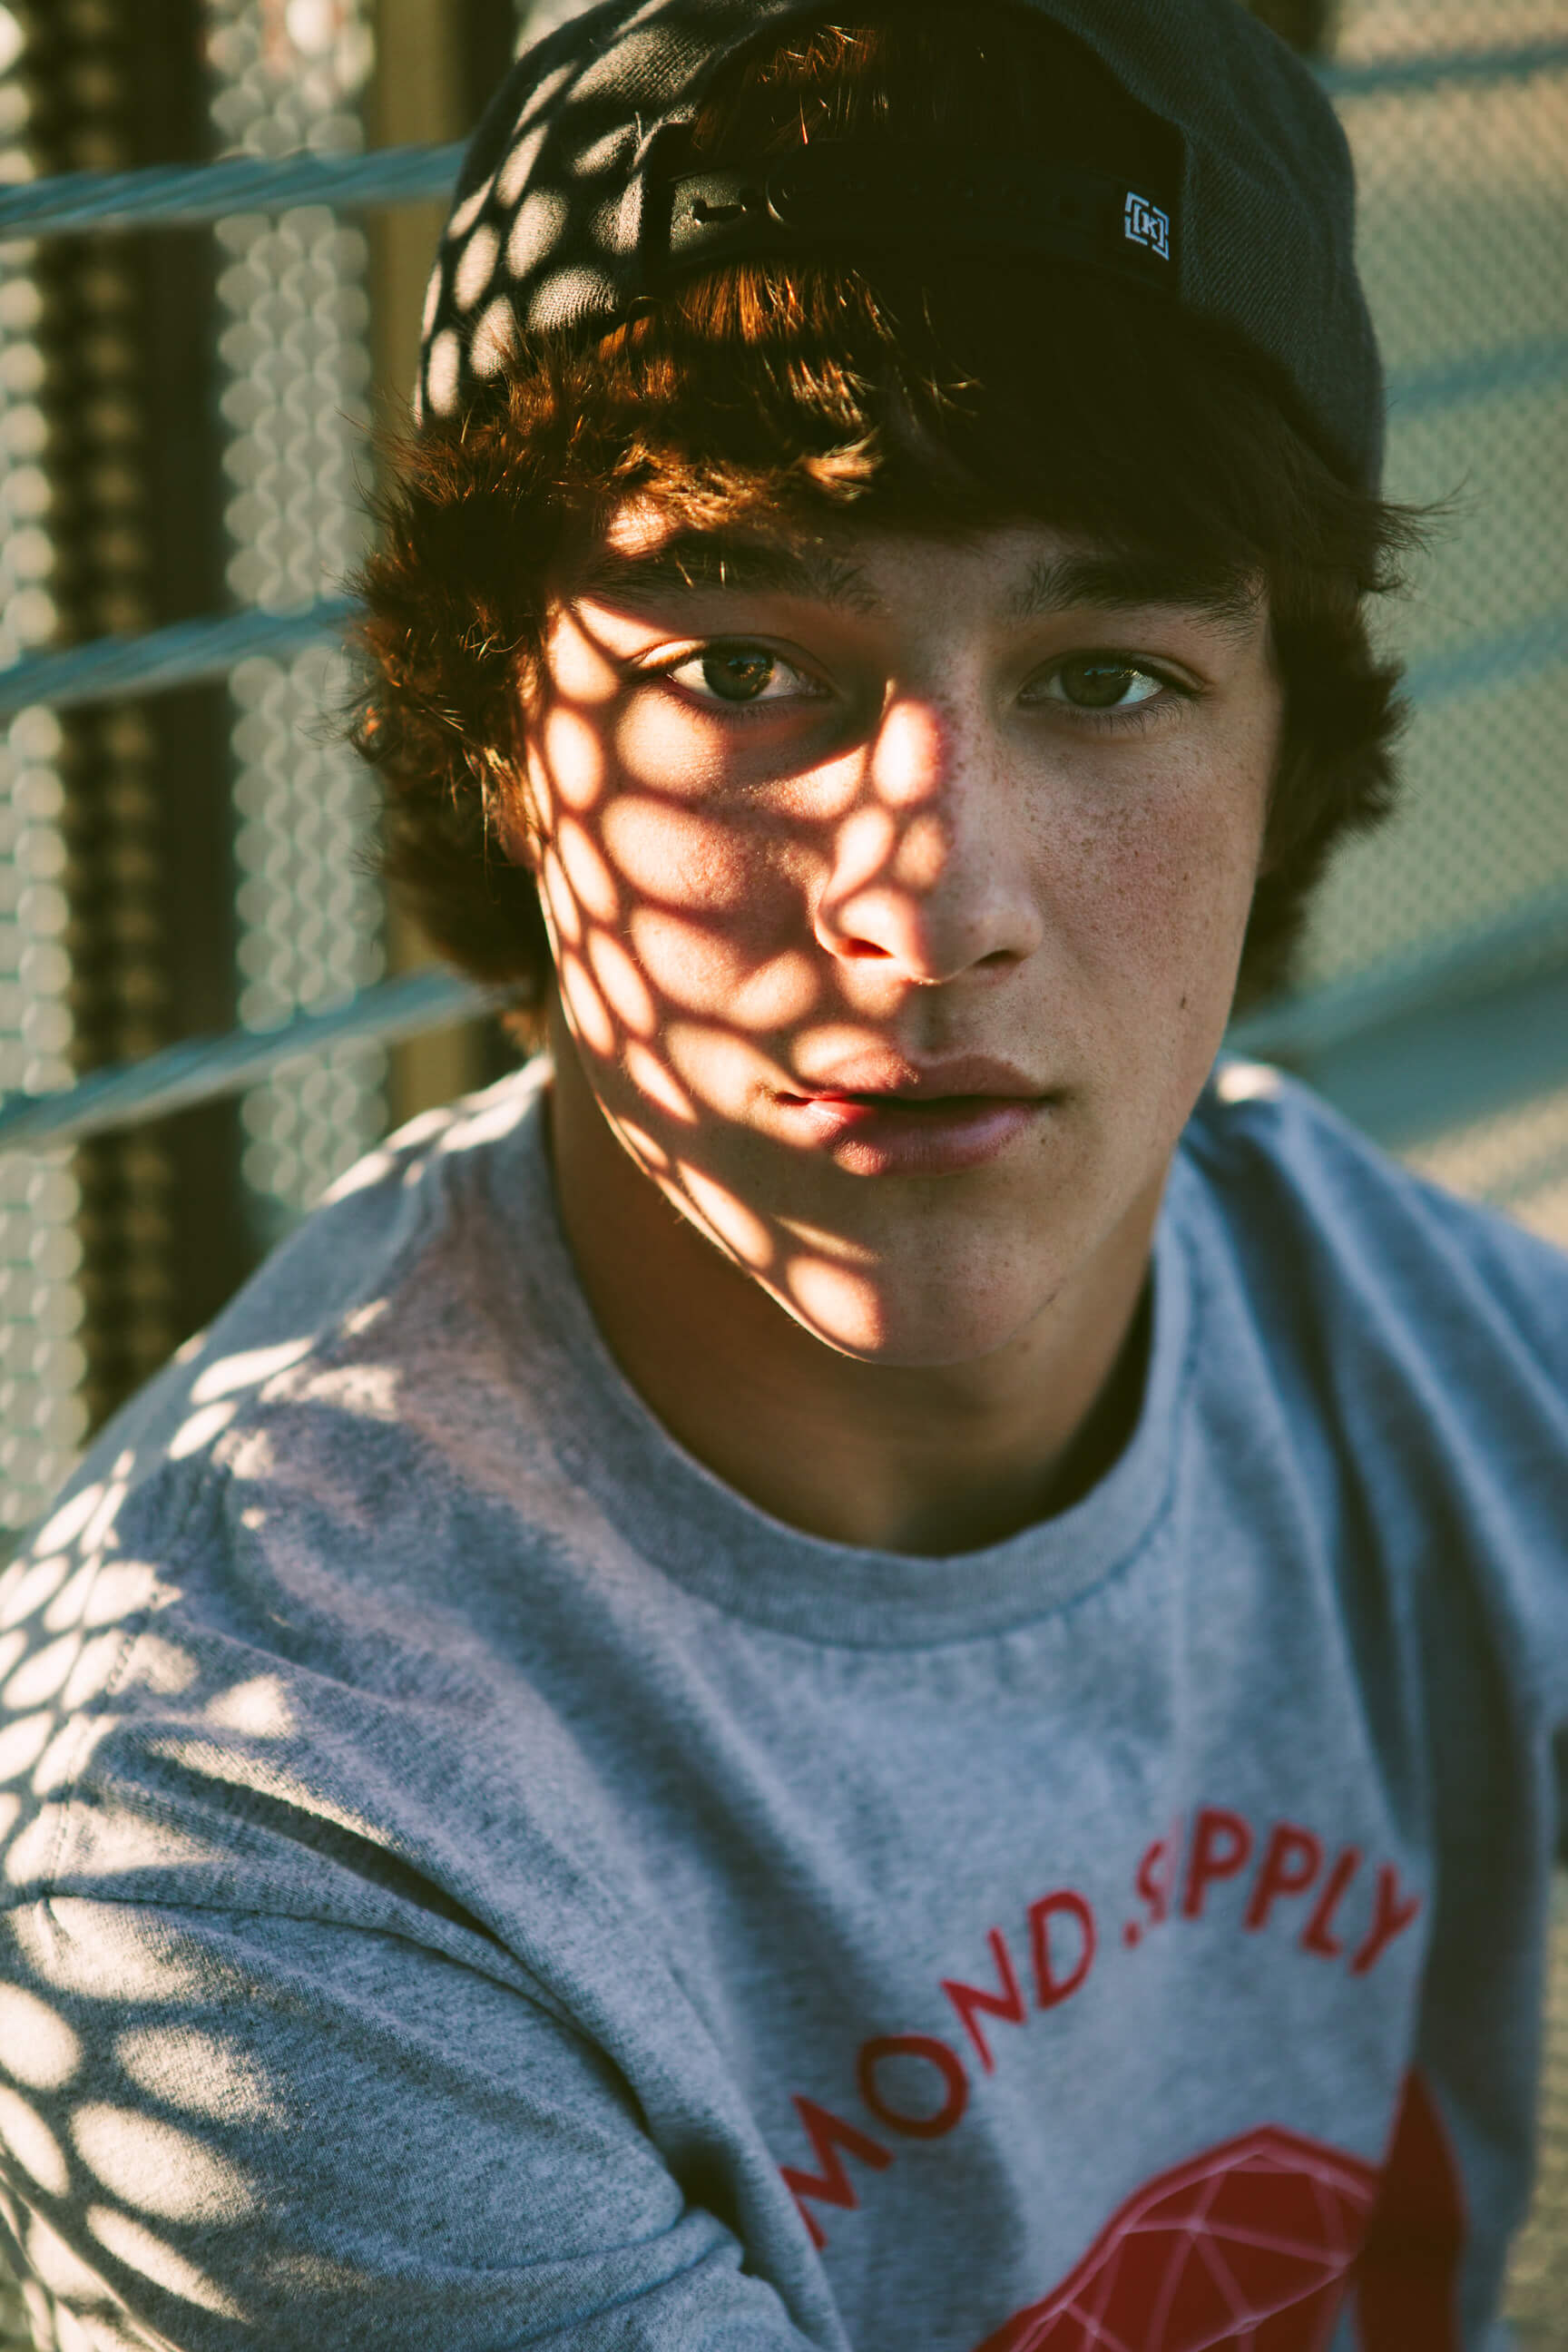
(578, 207)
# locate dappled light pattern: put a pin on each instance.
(155, 1757)
(98, 2133)
(121, 2197)
(770, 943)
(844, 904)
(687, 964)
(787, 948)
(645, 885)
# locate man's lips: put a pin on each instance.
(962, 1077)
(937, 1122)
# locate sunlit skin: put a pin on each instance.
(897, 888)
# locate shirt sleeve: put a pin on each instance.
(221, 2130)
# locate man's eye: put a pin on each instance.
(1098, 682)
(741, 674)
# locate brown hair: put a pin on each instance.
(940, 397)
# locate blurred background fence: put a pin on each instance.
(191, 367)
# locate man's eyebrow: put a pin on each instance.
(1111, 582)
(699, 559)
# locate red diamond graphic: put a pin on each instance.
(1247, 2248)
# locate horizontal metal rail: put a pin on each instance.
(205, 1068)
(190, 653)
(1438, 1068)
(1530, 937)
(190, 195)
(195, 653)
(1475, 375)
(1506, 659)
(1442, 69)
(1530, 940)
(185, 196)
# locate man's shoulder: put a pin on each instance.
(301, 1557)
(313, 1396)
(1324, 1230)
(406, 1242)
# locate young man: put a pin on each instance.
(857, 1667)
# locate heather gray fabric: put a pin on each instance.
(461, 1860)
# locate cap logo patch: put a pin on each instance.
(1145, 223)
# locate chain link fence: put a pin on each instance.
(1466, 262)
(1464, 194)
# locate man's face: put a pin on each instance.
(897, 888)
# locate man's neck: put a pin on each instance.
(929, 1461)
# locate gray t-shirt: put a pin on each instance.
(474, 1881)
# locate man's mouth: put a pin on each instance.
(880, 1078)
(939, 1121)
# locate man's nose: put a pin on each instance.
(928, 874)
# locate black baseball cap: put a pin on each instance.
(577, 204)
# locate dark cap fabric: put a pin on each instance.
(569, 215)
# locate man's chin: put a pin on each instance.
(878, 1318)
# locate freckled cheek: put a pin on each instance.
(1158, 896)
